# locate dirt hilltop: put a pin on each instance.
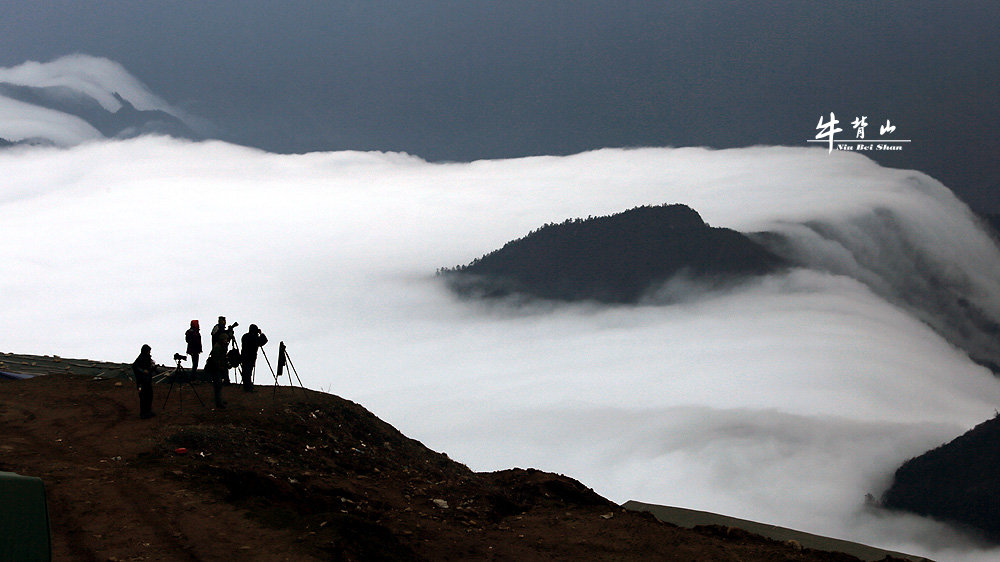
(303, 475)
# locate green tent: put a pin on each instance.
(24, 519)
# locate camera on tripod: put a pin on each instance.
(231, 327)
(181, 376)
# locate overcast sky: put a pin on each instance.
(469, 80)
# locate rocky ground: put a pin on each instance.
(302, 475)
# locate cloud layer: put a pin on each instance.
(785, 400)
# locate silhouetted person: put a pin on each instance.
(144, 369)
(214, 371)
(217, 371)
(252, 340)
(219, 333)
(217, 365)
(193, 338)
(217, 330)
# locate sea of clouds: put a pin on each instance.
(784, 400)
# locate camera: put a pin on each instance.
(179, 357)
(231, 326)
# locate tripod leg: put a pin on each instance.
(296, 372)
(172, 379)
(168, 394)
(268, 360)
(202, 402)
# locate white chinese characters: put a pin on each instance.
(828, 129)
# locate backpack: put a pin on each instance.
(233, 358)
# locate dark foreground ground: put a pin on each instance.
(301, 475)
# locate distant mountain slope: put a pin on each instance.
(617, 258)
(126, 121)
(957, 482)
(79, 98)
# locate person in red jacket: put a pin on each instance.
(193, 339)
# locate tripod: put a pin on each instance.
(179, 374)
(283, 359)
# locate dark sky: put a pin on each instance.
(474, 79)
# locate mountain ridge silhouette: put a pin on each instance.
(619, 258)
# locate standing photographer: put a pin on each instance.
(221, 337)
(144, 369)
(218, 364)
(252, 341)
